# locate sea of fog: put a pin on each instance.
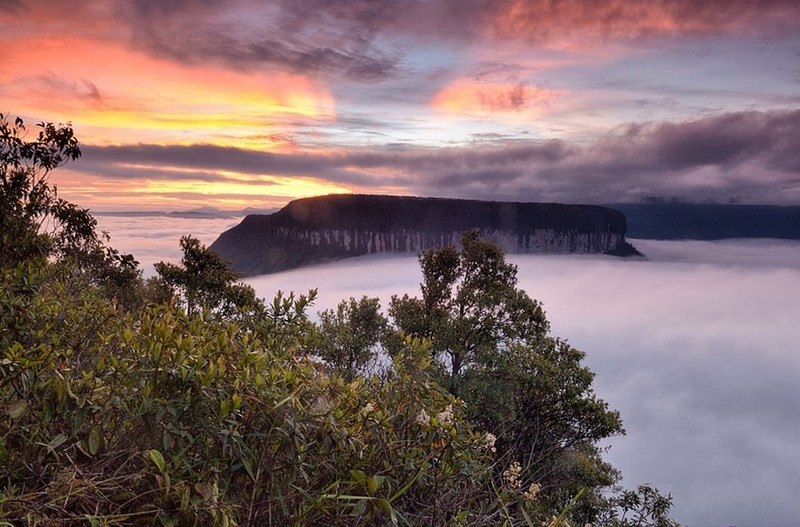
(698, 347)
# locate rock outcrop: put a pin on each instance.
(326, 228)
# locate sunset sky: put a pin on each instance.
(245, 103)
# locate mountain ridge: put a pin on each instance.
(326, 228)
(710, 221)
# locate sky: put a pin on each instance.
(180, 104)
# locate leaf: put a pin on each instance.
(249, 468)
(16, 409)
(374, 483)
(358, 476)
(56, 442)
(95, 442)
(388, 509)
(158, 460)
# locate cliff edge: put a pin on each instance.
(326, 228)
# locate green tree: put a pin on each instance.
(204, 280)
(347, 338)
(471, 308)
(495, 352)
(643, 507)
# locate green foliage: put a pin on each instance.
(471, 308)
(643, 507)
(526, 386)
(347, 337)
(175, 419)
(203, 280)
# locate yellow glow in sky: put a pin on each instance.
(236, 191)
(115, 96)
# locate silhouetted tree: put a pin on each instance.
(36, 224)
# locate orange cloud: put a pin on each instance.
(501, 100)
(118, 96)
(584, 22)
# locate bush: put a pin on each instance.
(158, 416)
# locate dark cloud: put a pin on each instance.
(716, 158)
(203, 162)
(713, 158)
(12, 6)
(345, 60)
(210, 157)
(334, 40)
(723, 141)
(363, 40)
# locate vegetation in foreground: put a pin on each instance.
(186, 400)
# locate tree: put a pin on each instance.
(34, 222)
(347, 337)
(495, 352)
(643, 507)
(471, 308)
(204, 280)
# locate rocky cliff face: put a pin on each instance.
(326, 228)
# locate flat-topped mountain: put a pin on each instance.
(326, 228)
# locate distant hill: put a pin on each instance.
(199, 213)
(689, 221)
(326, 228)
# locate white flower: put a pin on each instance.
(367, 410)
(511, 475)
(445, 417)
(489, 439)
(532, 491)
(423, 419)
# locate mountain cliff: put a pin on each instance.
(326, 228)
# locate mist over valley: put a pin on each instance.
(696, 345)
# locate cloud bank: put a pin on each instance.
(696, 346)
(743, 156)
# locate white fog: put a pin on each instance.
(696, 346)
